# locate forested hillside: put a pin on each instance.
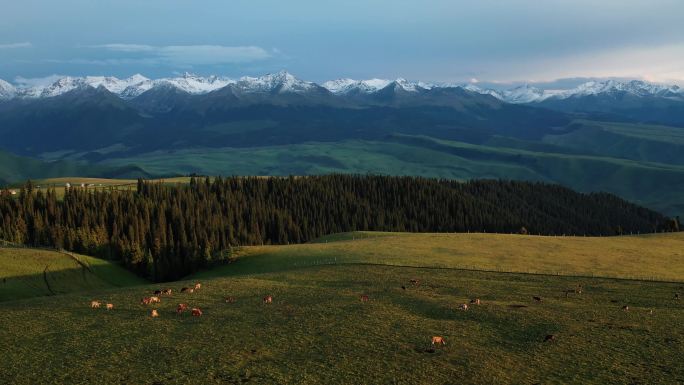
(165, 232)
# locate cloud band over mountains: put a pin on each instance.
(24, 44)
(191, 54)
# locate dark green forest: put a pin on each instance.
(165, 232)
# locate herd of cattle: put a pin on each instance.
(180, 309)
(197, 312)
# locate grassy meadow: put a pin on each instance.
(318, 331)
(26, 273)
(650, 257)
(59, 184)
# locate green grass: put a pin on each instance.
(644, 181)
(58, 184)
(15, 169)
(318, 332)
(654, 256)
(26, 273)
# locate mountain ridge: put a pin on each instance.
(284, 82)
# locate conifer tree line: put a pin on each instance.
(165, 232)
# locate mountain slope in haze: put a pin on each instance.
(89, 119)
(17, 168)
(581, 138)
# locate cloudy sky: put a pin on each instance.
(500, 41)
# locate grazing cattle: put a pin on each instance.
(475, 301)
(184, 289)
(154, 313)
(536, 298)
(403, 287)
(463, 306)
(650, 311)
(187, 290)
(196, 312)
(437, 340)
(577, 290)
(268, 299)
(625, 308)
(364, 298)
(230, 299)
(676, 296)
(157, 292)
(166, 292)
(181, 308)
(110, 306)
(414, 282)
(95, 304)
(549, 338)
(155, 300)
(198, 286)
(146, 301)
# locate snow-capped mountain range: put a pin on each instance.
(284, 82)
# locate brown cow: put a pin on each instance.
(536, 298)
(437, 340)
(463, 306)
(145, 301)
(676, 296)
(196, 312)
(154, 313)
(198, 286)
(166, 292)
(155, 300)
(187, 290)
(110, 306)
(157, 292)
(268, 299)
(625, 308)
(475, 301)
(549, 338)
(364, 298)
(414, 281)
(181, 308)
(577, 290)
(95, 304)
(230, 299)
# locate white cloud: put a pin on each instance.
(193, 54)
(37, 82)
(126, 47)
(659, 64)
(25, 44)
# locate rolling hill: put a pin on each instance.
(27, 272)
(318, 331)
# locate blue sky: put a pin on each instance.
(434, 40)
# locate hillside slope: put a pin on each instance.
(653, 256)
(15, 168)
(317, 330)
(29, 273)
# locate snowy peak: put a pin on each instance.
(345, 86)
(280, 82)
(409, 86)
(63, 86)
(525, 94)
(633, 87)
(195, 84)
(284, 82)
(114, 85)
(7, 91)
(530, 94)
